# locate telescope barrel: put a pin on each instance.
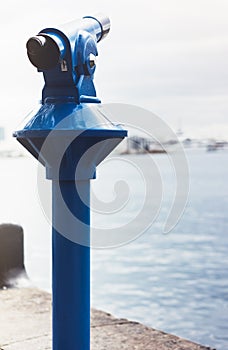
(98, 25)
(45, 49)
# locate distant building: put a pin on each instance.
(2, 133)
(138, 144)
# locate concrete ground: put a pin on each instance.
(25, 324)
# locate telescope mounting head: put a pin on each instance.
(67, 58)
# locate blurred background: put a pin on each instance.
(169, 57)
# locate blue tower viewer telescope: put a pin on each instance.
(70, 135)
(67, 57)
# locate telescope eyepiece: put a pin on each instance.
(35, 44)
(43, 52)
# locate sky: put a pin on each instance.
(168, 56)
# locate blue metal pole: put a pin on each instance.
(71, 269)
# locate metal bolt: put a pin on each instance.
(92, 60)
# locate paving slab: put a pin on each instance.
(25, 324)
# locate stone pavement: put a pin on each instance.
(25, 324)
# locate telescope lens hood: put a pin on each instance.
(104, 23)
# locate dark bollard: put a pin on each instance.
(11, 254)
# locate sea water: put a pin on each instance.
(176, 282)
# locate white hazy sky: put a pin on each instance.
(168, 56)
